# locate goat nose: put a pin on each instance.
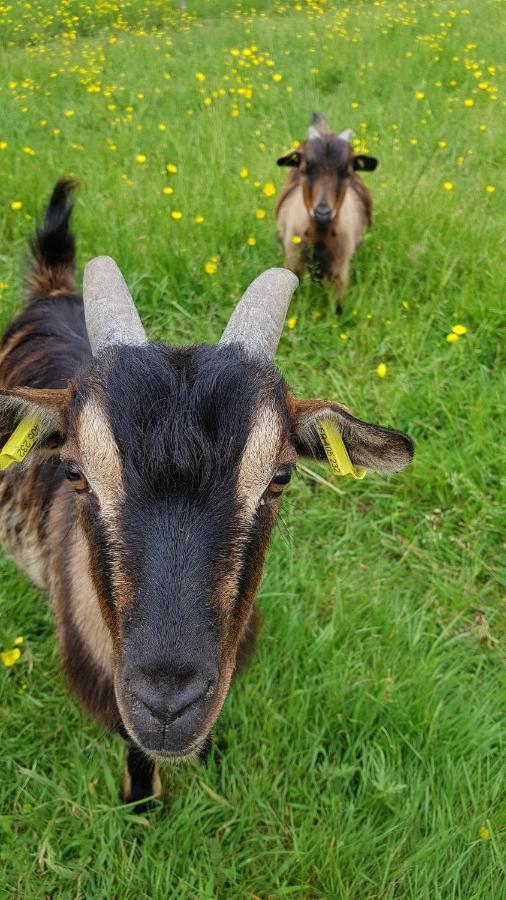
(322, 213)
(170, 696)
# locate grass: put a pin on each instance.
(365, 744)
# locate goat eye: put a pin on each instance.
(279, 482)
(76, 478)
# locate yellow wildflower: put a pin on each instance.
(277, 77)
(211, 266)
(199, 219)
(448, 185)
(441, 144)
(69, 113)
(260, 213)
(296, 239)
(168, 190)
(484, 833)
(244, 172)
(251, 241)
(16, 204)
(382, 370)
(29, 151)
(3, 145)
(9, 657)
(200, 76)
(419, 95)
(18, 640)
(459, 329)
(171, 168)
(268, 189)
(490, 188)
(140, 158)
(344, 336)
(469, 102)
(452, 337)
(292, 321)
(405, 304)
(176, 214)
(162, 126)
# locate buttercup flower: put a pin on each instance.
(16, 204)
(260, 213)
(171, 168)
(140, 158)
(268, 189)
(292, 321)
(9, 657)
(382, 370)
(176, 214)
(459, 329)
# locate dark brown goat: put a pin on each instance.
(324, 206)
(145, 508)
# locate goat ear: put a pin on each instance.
(370, 447)
(291, 159)
(47, 406)
(364, 163)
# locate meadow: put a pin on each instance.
(364, 748)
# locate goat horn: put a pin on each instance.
(109, 311)
(258, 319)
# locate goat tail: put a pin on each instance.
(53, 247)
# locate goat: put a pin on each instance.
(324, 205)
(145, 506)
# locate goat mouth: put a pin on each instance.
(190, 754)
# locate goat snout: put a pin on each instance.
(167, 709)
(322, 214)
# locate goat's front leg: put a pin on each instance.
(141, 780)
(295, 257)
(339, 281)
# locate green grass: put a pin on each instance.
(365, 744)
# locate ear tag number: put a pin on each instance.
(337, 453)
(20, 443)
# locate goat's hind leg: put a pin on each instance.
(141, 782)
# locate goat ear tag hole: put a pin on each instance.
(337, 453)
(20, 443)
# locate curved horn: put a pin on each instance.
(109, 311)
(258, 319)
(346, 135)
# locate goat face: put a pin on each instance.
(178, 458)
(326, 164)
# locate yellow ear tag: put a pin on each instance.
(337, 453)
(20, 443)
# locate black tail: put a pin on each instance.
(53, 246)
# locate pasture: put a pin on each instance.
(361, 756)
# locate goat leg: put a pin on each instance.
(141, 781)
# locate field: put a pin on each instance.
(365, 745)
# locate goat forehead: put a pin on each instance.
(182, 417)
(330, 151)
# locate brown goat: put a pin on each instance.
(324, 206)
(146, 506)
